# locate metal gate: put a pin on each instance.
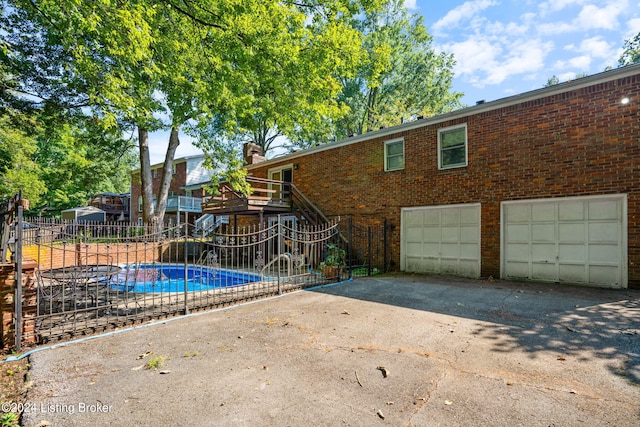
(93, 276)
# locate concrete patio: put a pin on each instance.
(396, 350)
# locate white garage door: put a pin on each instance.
(576, 240)
(441, 239)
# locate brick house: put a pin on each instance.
(541, 186)
(185, 192)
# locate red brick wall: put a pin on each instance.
(7, 304)
(576, 143)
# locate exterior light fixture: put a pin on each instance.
(624, 101)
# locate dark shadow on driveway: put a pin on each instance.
(589, 323)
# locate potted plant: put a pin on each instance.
(333, 262)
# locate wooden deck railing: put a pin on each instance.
(268, 196)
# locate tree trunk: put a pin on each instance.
(145, 177)
(167, 174)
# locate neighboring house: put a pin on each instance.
(115, 206)
(184, 203)
(543, 186)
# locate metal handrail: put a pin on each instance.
(286, 256)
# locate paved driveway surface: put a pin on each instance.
(404, 351)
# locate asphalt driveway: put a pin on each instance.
(405, 351)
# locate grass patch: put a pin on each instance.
(155, 362)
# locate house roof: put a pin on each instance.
(605, 76)
(175, 161)
(85, 210)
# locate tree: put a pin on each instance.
(402, 76)
(173, 64)
(631, 51)
(552, 81)
(69, 155)
(18, 170)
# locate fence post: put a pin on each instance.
(384, 245)
(279, 237)
(368, 250)
(350, 248)
(18, 261)
(186, 266)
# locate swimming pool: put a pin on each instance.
(157, 278)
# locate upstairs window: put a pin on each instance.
(394, 155)
(154, 173)
(452, 147)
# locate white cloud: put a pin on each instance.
(581, 62)
(597, 47)
(486, 61)
(592, 16)
(464, 12)
(633, 27)
(557, 5)
(565, 77)
(587, 50)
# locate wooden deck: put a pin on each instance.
(267, 197)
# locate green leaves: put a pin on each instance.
(631, 51)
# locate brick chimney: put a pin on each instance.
(252, 153)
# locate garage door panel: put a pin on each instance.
(431, 217)
(521, 213)
(604, 232)
(449, 240)
(519, 252)
(414, 249)
(469, 268)
(449, 234)
(449, 250)
(572, 273)
(413, 218)
(517, 269)
(518, 233)
(469, 250)
(578, 240)
(431, 249)
(469, 234)
(449, 266)
(570, 232)
(469, 215)
(541, 251)
(543, 232)
(571, 211)
(544, 271)
(414, 234)
(541, 212)
(604, 254)
(604, 274)
(609, 209)
(450, 217)
(572, 252)
(431, 234)
(415, 264)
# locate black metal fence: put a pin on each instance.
(97, 276)
(368, 252)
(92, 277)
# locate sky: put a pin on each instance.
(508, 47)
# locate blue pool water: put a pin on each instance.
(156, 278)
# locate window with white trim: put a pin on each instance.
(394, 155)
(154, 173)
(139, 203)
(452, 147)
